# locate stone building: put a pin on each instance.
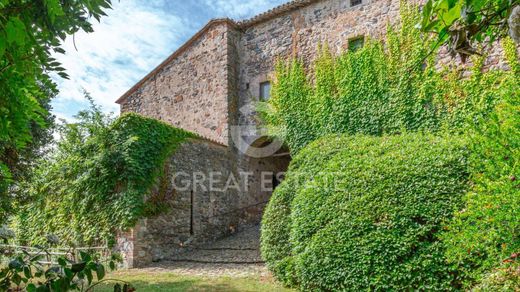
(209, 86)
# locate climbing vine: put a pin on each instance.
(99, 178)
(383, 88)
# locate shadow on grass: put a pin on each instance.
(174, 286)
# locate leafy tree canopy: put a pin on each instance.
(30, 32)
(462, 23)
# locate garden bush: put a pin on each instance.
(487, 231)
(99, 180)
(361, 212)
(386, 88)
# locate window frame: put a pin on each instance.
(351, 42)
(264, 96)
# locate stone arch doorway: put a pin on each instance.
(266, 172)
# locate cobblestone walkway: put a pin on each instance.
(234, 256)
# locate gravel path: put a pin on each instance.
(235, 256)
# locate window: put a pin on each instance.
(356, 43)
(355, 2)
(265, 91)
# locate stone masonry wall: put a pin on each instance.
(196, 213)
(206, 200)
(190, 92)
(299, 33)
(212, 86)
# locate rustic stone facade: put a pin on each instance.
(299, 32)
(191, 90)
(207, 200)
(210, 86)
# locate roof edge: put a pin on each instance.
(176, 53)
(241, 25)
(275, 12)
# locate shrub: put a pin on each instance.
(487, 230)
(502, 279)
(359, 212)
(276, 223)
(99, 179)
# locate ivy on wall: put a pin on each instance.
(99, 179)
(383, 88)
(485, 235)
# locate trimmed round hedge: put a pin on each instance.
(359, 212)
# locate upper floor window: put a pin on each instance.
(265, 91)
(356, 43)
(355, 2)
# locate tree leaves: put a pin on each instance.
(100, 172)
(15, 31)
(27, 271)
(54, 9)
(3, 43)
(29, 32)
(462, 23)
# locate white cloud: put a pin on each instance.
(240, 9)
(123, 48)
(134, 38)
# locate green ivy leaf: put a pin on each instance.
(100, 272)
(31, 288)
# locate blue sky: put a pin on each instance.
(135, 37)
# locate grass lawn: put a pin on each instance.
(166, 281)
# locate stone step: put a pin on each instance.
(220, 256)
(240, 248)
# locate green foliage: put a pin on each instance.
(29, 32)
(365, 213)
(382, 88)
(99, 180)
(460, 23)
(26, 271)
(502, 279)
(487, 231)
(315, 238)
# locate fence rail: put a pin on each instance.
(50, 255)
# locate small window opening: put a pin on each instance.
(355, 2)
(356, 43)
(191, 213)
(265, 91)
